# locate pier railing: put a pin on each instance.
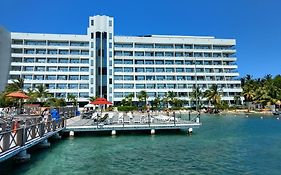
(16, 132)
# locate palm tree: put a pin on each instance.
(142, 96)
(197, 96)
(41, 92)
(31, 96)
(17, 85)
(93, 98)
(72, 98)
(213, 95)
(171, 97)
(156, 102)
(237, 99)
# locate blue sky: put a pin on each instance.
(255, 24)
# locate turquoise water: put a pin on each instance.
(223, 145)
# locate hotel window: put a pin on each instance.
(39, 77)
(118, 77)
(150, 78)
(118, 86)
(118, 69)
(149, 62)
(161, 86)
(217, 62)
(179, 62)
(63, 52)
(40, 51)
(179, 46)
(197, 54)
(110, 53)
(179, 69)
(170, 77)
(84, 86)
(62, 69)
(16, 68)
(207, 55)
(52, 52)
(16, 50)
(188, 62)
(149, 54)
(84, 61)
(29, 60)
(29, 51)
(170, 70)
(52, 60)
(160, 77)
(27, 77)
(28, 68)
(74, 60)
(118, 94)
(181, 86)
(62, 77)
(63, 60)
(169, 62)
(180, 78)
(139, 61)
(149, 69)
(128, 61)
(169, 54)
(50, 77)
(110, 35)
(17, 60)
(139, 54)
(117, 61)
(139, 69)
(199, 62)
(171, 86)
(60, 95)
(110, 23)
(17, 42)
(128, 69)
(216, 55)
(159, 70)
(159, 54)
(188, 54)
(74, 52)
(84, 69)
(127, 53)
(140, 86)
(164, 46)
(128, 77)
(84, 77)
(188, 46)
(26, 86)
(51, 86)
(84, 95)
(74, 69)
(159, 62)
(189, 70)
(73, 77)
(110, 45)
(92, 22)
(140, 77)
(128, 86)
(179, 54)
(40, 68)
(150, 86)
(143, 45)
(40, 60)
(84, 52)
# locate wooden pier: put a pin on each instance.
(17, 136)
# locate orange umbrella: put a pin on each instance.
(17, 94)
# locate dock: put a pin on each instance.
(16, 136)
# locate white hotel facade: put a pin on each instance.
(102, 64)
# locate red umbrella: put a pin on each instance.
(101, 101)
(17, 94)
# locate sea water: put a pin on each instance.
(222, 145)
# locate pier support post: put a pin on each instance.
(22, 156)
(152, 131)
(6, 138)
(197, 120)
(71, 133)
(44, 144)
(190, 130)
(113, 132)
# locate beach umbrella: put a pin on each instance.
(100, 101)
(17, 94)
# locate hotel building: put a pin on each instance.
(102, 64)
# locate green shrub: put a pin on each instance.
(127, 108)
